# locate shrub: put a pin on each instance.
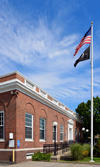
(77, 151)
(96, 150)
(85, 153)
(87, 147)
(41, 156)
(37, 156)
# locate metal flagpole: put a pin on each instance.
(91, 92)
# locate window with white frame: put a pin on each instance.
(1, 124)
(28, 126)
(61, 132)
(42, 129)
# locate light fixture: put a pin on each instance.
(14, 93)
(87, 130)
(83, 129)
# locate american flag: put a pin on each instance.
(85, 40)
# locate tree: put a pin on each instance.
(84, 111)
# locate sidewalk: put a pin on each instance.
(48, 164)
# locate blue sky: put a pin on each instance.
(38, 38)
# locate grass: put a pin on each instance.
(85, 160)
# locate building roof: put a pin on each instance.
(15, 80)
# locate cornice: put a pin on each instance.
(18, 85)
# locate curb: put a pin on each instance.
(88, 163)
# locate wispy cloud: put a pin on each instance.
(44, 52)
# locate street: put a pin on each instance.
(47, 164)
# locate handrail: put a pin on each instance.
(49, 148)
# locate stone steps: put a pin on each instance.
(60, 156)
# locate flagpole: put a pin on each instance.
(91, 92)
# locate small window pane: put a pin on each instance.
(28, 133)
(42, 128)
(41, 134)
(28, 126)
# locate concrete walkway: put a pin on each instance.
(48, 164)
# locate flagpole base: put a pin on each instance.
(91, 161)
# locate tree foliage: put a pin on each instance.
(84, 111)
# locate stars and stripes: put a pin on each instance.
(85, 40)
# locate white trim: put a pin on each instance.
(42, 140)
(71, 121)
(22, 149)
(29, 140)
(2, 140)
(16, 84)
(9, 82)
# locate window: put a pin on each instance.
(75, 132)
(1, 125)
(61, 132)
(28, 126)
(42, 129)
(54, 133)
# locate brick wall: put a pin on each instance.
(15, 107)
(12, 76)
(6, 156)
(8, 105)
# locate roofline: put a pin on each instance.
(17, 72)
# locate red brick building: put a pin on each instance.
(28, 116)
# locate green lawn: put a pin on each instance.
(86, 160)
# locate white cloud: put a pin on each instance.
(46, 55)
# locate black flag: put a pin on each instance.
(85, 56)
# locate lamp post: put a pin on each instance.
(83, 129)
(87, 130)
(54, 140)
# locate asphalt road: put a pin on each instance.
(48, 164)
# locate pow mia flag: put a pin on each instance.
(85, 56)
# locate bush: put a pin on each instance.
(77, 151)
(87, 147)
(85, 153)
(41, 156)
(96, 150)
